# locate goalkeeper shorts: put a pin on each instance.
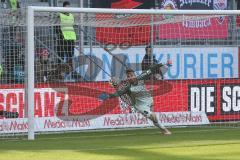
(146, 110)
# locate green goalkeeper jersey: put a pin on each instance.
(138, 93)
(140, 96)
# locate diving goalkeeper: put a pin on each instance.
(141, 99)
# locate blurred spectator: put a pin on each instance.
(14, 5)
(13, 55)
(41, 65)
(148, 60)
(10, 4)
(66, 38)
(13, 46)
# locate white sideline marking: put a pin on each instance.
(129, 134)
(123, 134)
(153, 147)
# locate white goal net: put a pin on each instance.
(71, 54)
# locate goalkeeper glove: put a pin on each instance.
(114, 82)
(103, 96)
(169, 63)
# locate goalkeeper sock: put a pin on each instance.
(160, 126)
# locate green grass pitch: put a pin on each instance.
(143, 144)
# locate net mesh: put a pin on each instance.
(201, 87)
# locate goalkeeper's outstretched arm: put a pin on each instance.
(118, 93)
(132, 79)
(145, 74)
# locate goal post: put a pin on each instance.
(29, 82)
(30, 59)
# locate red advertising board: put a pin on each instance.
(220, 98)
(195, 29)
(136, 35)
(124, 35)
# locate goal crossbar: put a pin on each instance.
(132, 11)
